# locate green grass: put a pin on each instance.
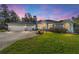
(48, 43)
(3, 30)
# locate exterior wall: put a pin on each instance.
(50, 26)
(20, 28)
(29, 28)
(42, 26)
(58, 26)
(69, 27)
(16, 28)
(64, 25)
(45, 26)
(76, 28)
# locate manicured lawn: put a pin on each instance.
(3, 30)
(46, 44)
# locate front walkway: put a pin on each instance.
(7, 38)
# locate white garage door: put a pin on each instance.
(16, 28)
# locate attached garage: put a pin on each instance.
(16, 27)
(19, 27)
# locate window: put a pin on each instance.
(66, 25)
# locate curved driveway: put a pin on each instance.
(7, 38)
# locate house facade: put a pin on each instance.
(45, 25)
(69, 25)
(76, 28)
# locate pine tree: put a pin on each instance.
(28, 18)
(4, 12)
(13, 16)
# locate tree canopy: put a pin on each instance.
(7, 15)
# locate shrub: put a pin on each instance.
(3, 26)
(3, 30)
(40, 32)
(62, 30)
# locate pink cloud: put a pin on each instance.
(40, 18)
(58, 16)
(70, 15)
(44, 9)
(56, 11)
(18, 9)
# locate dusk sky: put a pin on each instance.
(46, 11)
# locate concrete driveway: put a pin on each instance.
(7, 38)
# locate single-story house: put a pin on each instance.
(69, 25)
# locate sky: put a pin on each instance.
(46, 11)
